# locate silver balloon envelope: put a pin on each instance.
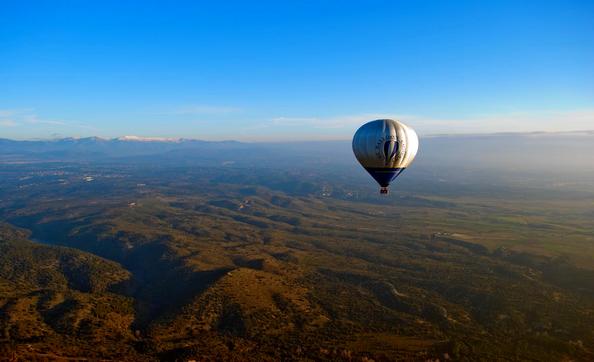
(385, 148)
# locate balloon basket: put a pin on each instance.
(384, 191)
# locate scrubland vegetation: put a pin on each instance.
(174, 262)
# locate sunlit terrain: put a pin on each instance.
(186, 250)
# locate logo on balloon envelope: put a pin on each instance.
(386, 149)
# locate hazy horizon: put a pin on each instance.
(141, 138)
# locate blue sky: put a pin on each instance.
(293, 70)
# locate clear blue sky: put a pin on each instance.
(257, 70)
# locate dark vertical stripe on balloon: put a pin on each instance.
(387, 155)
(395, 150)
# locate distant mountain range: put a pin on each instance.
(76, 148)
(546, 152)
(135, 138)
(100, 140)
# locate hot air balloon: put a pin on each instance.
(385, 148)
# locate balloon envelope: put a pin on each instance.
(385, 148)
